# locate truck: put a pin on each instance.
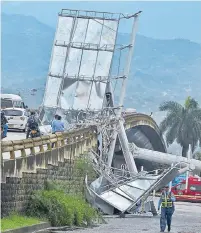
(11, 101)
(191, 193)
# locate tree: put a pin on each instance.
(182, 123)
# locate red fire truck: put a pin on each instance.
(192, 193)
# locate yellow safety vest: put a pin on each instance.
(166, 201)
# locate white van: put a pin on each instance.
(17, 118)
(11, 101)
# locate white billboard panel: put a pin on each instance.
(109, 32)
(97, 96)
(80, 31)
(64, 29)
(103, 63)
(94, 31)
(82, 95)
(77, 54)
(52, 91)
(88, 63)
(73, 63)
(58, 59)
(68, 94)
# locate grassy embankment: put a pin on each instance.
(61, 203)
(16, 221)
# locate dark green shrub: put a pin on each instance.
(61, 209)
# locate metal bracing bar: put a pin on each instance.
(130, 16)
(94, 71)
(111, 29)
(87, 78)
(51, 58)
(67, 54)
(135, 187)
(149, 190)
(110, 70)
(90, 14)
(85, 36)
(128, 63)
(119, 64)
(88, 46)
(121, 132)
(125, 47)
(90, 17)
(131, 198)
(76, 78)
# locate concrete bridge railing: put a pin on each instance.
(77, 138)
(39, 153)
(76, 141)
(30, 154)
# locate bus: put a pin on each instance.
(11, 101)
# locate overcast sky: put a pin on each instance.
(162, 20)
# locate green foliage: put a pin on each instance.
(182, 123)
(61, 209)
(62, 202)
(71, 187)
(82, 166)
(75, 184)
(16, 221)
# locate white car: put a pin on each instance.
(17, 118)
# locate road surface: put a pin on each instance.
(15, 135)
(186, 219)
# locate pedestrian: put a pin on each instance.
(53, 123)
(166, 202)
(4, 124)
(60, 125)
(57, 126)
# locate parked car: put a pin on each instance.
(17, 118)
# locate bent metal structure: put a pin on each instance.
(80, 88)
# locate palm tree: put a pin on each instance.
(182, 123)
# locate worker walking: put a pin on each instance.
(166, 202)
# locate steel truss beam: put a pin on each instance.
(90, 14)
(87, 46)
(103, 79)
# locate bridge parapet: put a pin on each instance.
(80, 139)
(30, 154)
(38, 152)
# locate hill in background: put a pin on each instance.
(161, 69)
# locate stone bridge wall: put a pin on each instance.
(23, 175)
(15, 192)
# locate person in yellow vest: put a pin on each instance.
(166, 202)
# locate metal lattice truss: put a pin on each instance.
(128, 193)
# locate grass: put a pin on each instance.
(16, 221)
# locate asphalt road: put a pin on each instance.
(15, 135)
(186, 219)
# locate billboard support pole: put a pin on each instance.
(120, 130)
